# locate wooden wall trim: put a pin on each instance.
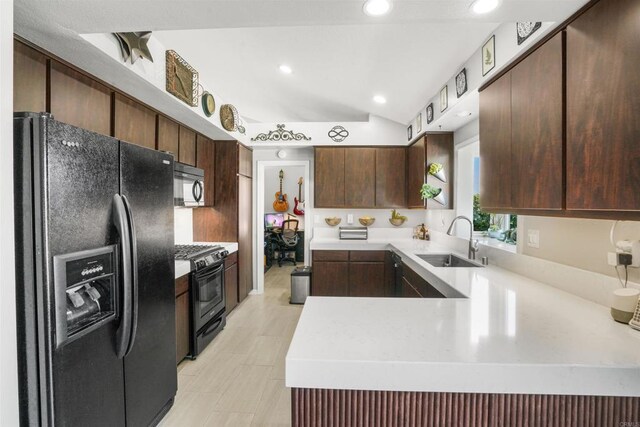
(337, 408)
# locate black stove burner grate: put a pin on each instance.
(187, 252)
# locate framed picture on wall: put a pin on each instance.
(444, 98)
(489, 55)
(525, 29)
(409, 133)
(461, 83)
(429, 113)
(419, 123)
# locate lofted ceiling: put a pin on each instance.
(340, 57)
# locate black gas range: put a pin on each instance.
(200, 256)
(206, 282)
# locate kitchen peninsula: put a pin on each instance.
(510, 345)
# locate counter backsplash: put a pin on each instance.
(183, 225)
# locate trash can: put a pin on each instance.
(300, 284)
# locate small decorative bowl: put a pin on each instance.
(397, 221)
(333, 221)
(367, 220)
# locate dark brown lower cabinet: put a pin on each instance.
(231, 286)
(330, 279)
(182, 317)
(351, 273)
(366, 279)
(420, 285)
(408, 291)
(245, 231)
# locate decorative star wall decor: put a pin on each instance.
(281, 134)
(134, 45)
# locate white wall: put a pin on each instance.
(8, 350)
(289, 187)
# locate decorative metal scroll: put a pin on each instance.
(338, 133)
(281, 134)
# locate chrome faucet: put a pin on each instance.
(473, 243)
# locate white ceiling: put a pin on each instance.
(340, 57)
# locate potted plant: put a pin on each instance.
(430, 192)
(437, 170)
(397, 219)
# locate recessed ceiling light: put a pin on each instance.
(484, 6)
(376, 7)
(380, 99)
(463, 114)
(285, 69)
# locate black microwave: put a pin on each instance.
(188, 186)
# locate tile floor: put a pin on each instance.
(239, 379)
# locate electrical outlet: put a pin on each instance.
(533, 238)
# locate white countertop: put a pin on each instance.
(184, 267)
(504, 334)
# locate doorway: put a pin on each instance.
(295, 185)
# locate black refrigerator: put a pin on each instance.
(95, 277)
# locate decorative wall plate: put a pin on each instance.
(525, 29)
(229, 117)
(338, 133)
(134, 45)
(182, 79)
(208, 104)
(281, 134)
(429, 113)
(409, 133)
(461, 83)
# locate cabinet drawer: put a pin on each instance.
(182, 285)
(330, 256)
(230, 260)
(370, 256)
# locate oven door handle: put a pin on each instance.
(123, 334)
(134, 269)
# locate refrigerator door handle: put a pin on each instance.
(119, 217)
(134, 275)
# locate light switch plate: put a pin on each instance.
(533, 238)
(350, 219)
(612, 258)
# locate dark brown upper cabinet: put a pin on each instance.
(603, 108)
(439, 148)
(416, 162)
(206, 162)
(360, 177)
(495, 145)
(536, 129)
(80, 101)
(329, 177)
(134, 122)
(245, 162)
(168, 134)
(187, 147)
(29, 79)
(391, 177)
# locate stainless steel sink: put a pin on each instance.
(447, 260)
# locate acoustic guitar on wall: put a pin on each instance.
(298, 209)
(281, 204)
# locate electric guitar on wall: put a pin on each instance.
(281, 204)
(299, 207)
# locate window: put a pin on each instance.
(495, 226)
